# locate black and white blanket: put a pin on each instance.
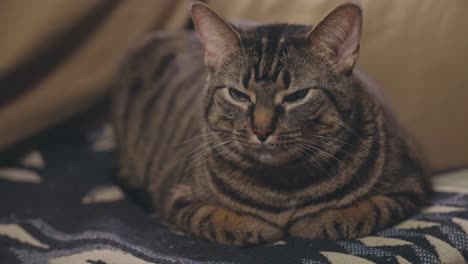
(58, 204)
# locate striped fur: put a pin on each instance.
(336, 165)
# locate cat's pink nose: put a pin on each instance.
(263, 134)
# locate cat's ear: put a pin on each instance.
(338, 36)
(217, 36)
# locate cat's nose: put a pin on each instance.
(263, 134)
(263, 120)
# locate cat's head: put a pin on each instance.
(274, 90)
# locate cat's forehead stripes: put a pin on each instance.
(278, 59)
(269, 46)
(261, 64)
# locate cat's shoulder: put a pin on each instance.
(161, 44)
(371, 86)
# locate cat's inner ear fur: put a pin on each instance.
(218, 37)
(338, 36)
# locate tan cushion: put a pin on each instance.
(82, 74)
(418, 52)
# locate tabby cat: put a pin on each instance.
(248, 134)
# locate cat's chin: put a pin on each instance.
(270, 156)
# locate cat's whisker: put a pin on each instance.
(334, 147)
(319, 165)
(328, 144)
(212, 147)
(197, 137)
(349, 129)
(304, 150)
(341, 162)
(326, 173)
(309, 146)
(194, 151)
(299, 154)
(328, 138)
(200, 161)
(206, 151)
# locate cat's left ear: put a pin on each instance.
(338, 36)
(218, 37)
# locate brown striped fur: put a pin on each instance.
(274, 135)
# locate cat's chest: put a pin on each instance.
(245, 197)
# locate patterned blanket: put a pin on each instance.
(58, 204)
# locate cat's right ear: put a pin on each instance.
(218, 37)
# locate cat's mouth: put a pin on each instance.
(277, 150)
(270, 154)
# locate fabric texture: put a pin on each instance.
(59, 204)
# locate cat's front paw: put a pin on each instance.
(222, 225)
(356, 220)
(256, 232)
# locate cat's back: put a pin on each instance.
(154, 62)
(155, 99)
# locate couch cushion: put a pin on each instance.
(58, 58)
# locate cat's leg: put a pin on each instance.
(217, 223)
(357, 220)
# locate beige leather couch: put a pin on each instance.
(57, 58)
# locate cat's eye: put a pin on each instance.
(296, 96)
(238, 96)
